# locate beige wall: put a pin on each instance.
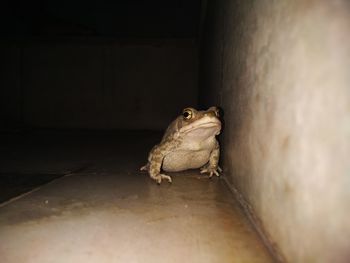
(97, 83)
(281, 72)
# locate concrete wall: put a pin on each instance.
(96, 84)
(281, 72)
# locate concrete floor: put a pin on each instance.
(107, 211)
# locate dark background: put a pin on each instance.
(97, 64)
(70, 70)
(133, 18)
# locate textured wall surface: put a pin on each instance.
(96, 84)
(281, 72)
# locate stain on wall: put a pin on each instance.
(280, 71)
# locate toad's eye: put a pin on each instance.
(187, 114)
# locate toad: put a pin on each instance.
(188, 143)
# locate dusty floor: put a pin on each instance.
(103, 209)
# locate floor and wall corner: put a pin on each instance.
(87, 89)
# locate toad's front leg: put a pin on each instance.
(212, 167)
(155, 165)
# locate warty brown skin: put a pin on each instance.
(188, 143)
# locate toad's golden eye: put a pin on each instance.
(187, 114)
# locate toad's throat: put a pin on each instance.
(201, 126)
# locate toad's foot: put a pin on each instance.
(211, 171)
(145, 167)
(159, 177)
